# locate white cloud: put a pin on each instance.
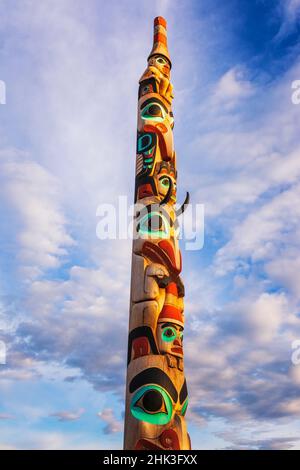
(32, 195)
(232, 87)
(5, 416)
(265, 317)
(262, 233)
(246, 152)
(112, 424)
(68, 415)
(291, 407)
(290, 14)
(47, 440)
(295, 374)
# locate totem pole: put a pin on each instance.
(156, 391)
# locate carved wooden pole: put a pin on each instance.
(156, 391)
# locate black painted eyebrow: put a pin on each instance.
(171, 324)
(183, 392)
(153, 100)
(167, 324)
(155, 376)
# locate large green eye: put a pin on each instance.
(169, 334)
(154, 224)
(154, 112)
(152, 404)
(165, 181)
(161, 60)
(184, 408)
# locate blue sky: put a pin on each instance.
(67, 143)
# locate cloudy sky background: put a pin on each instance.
(67, 144)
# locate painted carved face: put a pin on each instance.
(155, 116)
(155, 110)
(157, 230)
(170, 338)
(161, 63)
(158, 402)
